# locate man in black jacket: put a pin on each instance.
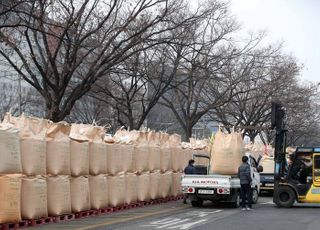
(190, 169)
(244, 174)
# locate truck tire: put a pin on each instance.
(284, 197)
(255, 196)
(197, 203)
(236, 204)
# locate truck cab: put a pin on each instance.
(216, 187)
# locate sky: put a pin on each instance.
(294, 22)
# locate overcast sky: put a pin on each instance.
(295, 22)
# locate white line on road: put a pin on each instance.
(270, 202)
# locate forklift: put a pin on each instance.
(299, 179)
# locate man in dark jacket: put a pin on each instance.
(244, 174)
(190, 169)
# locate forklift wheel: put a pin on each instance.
(284, 197)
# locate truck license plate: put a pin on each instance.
(203, 191)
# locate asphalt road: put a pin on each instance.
(175, 215)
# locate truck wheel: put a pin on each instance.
(255, 196)
(284, 197)
(197, 203)
(236, 204)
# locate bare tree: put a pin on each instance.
(266, 76)
(205, 83)
(64, 46)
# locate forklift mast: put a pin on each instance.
(278, 122)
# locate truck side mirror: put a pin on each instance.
(260, 168)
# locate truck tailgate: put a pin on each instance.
(210, 181)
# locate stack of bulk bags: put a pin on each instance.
(154, 151)
(58, 169)
(98, 191)
(33, 155)
(226, 153)
(10, 192)
(98, 180)
(10, 177)
(79, 156)
(165, 152)
(176, 156)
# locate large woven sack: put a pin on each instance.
(154, 184)
(58, 149)
(79, 150)
(176, 184)
(34, 198)
(58, 195)
(80, 194)
(114, 159)
(10, 195)
(116, 190)
(10, 156)
(165, 153)
(141, 153)
(79, 158)
(98, 191)
(202, 160)
(165, 184)
(97, 158)
(154, 151)
(186, 156)
(127, 157)
(33, 145)
(176, 155)
(131, 188)
(97, 152)
(268, 164)
(227, 152)
(143, 186)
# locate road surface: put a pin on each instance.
(177, 216)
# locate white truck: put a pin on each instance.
(218, 188)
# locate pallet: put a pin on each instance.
(83, 214)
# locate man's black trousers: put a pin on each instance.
(246, 195)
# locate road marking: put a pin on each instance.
(181, 223)
(202, 213)
(270, 202)
(188, 225)
(132, 218)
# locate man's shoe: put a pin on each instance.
(244, 209)
(250, 209)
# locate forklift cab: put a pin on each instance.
(302, 181)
